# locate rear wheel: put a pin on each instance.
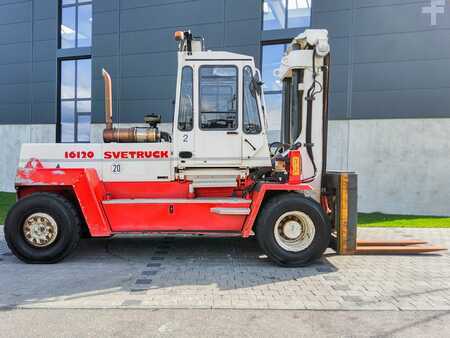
(293, 230)
(42, 228)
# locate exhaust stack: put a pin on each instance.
(149, 134)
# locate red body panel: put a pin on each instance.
(86, 185)
(182, 217)
(106, 212)
(258, 198)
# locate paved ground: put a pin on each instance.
(187, 273)
(222, 323)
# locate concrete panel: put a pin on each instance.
(149, 3)
(182, 14)
(161, 40)
(15, 12)
(43, 113)
(44, 71)
(105, 5)
(338, 23)
(15, 53)
(15, 73)
(402, 104)
(13, 136)
(154, 64)
(395, 19)
(44, 50)
(331, 5)
(402, 47)
(134, 111)
(14, 113)
(45, 29)
(338, 106)
(340, 51)
(238, 33)
(402, 165)
(241, 10)
(45, 9)
(401, 75)
(15, 93)
(157, 87)
(105, 23)
(44, 92)
(105, 45)
(338, 136)
(15, 33)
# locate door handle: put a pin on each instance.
(232, 133)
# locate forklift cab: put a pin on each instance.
(219, 119)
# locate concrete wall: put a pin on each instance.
(403, 164)
(12, 136)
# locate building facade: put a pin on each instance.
(390, 92)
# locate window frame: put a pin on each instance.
(258, 112)
(179, 100)
(200, 96)
(75, 100)
(76, 5)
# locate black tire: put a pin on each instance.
(273, 210)
(63, 213)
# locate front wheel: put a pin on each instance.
(293, 230)
(42, 228)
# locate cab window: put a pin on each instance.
(186, 106)
(218, 98)
(252, 122)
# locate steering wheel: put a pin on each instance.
(277, 148)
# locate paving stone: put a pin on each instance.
(149, 273)
(157, 258)
(153, 265)
(132, 302)
(143, 281)
(229, 273)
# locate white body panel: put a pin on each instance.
(114, 162)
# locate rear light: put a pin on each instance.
(295, 167)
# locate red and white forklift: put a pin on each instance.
(215, 174)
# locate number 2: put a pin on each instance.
(185, 138)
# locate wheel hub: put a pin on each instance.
(40, 229)
(294, 231)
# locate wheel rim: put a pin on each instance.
(294, 231)
(40, 229)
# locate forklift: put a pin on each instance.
(214, 174)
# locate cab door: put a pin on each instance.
(218, 140)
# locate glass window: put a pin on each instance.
(186, 109)
(252, 122)
(299, 13)
(271, 58)
(76, 24)
(282, 14)
(274, 14)
(273, 109)
(75, 103)
(218, 97)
